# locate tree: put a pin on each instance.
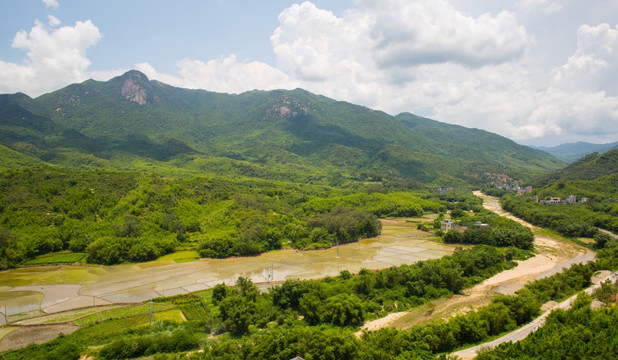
(246, 288)
(453, 236)
(343, 310)
(602, 240)
(236, 313)
(219, 292)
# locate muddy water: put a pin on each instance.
(400, 243)
(18, 302)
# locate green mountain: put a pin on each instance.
(592, 180)
(574, 151)
(130, 122)
(590, 167)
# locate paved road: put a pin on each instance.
(525, 330)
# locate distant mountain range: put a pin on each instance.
(573, 151)
(132, 123)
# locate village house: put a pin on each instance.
(572, 199)
(447, 224)
(527, 189)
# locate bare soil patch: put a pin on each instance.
(37, 334)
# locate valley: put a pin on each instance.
(141, 220)
(62, 288)
(552, 256)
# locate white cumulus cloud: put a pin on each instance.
(595, 61)
(51, 3)
(411, 32)
(435, 60)
(53, 21)
(223, 75)
(55, 58)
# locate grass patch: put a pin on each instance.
(181, 256)
(58, 258)
(549, 233)
(12, 295)
(173, 315)
(48, 275)
(75, 314)
(588, 241)
(122, 312)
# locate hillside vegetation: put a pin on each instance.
(594, 177)
(117, 217)
(590, 167)
(131, 123)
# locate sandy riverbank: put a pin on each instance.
(553, 255)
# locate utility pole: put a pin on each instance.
(149, 314)
(272, 271)
(337, 249)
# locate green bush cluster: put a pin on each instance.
(499, 231)
(577, 333)
(126, 348)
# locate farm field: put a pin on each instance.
(69, 287)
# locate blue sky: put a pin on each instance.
(540, 72)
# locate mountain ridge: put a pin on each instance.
(133, 117)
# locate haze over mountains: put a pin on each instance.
(574, 151)
(130, 122)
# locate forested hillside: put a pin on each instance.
(593, 181)
(133, 123)
(590, 167)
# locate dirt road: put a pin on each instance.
(525, 330)
(553, 255)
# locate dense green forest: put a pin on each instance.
(589, 167)
(601, 209)
(253, 325)
(117, 217)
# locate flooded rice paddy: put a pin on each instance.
(61, 288)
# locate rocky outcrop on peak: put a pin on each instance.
(136, 88)
(288, 108)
